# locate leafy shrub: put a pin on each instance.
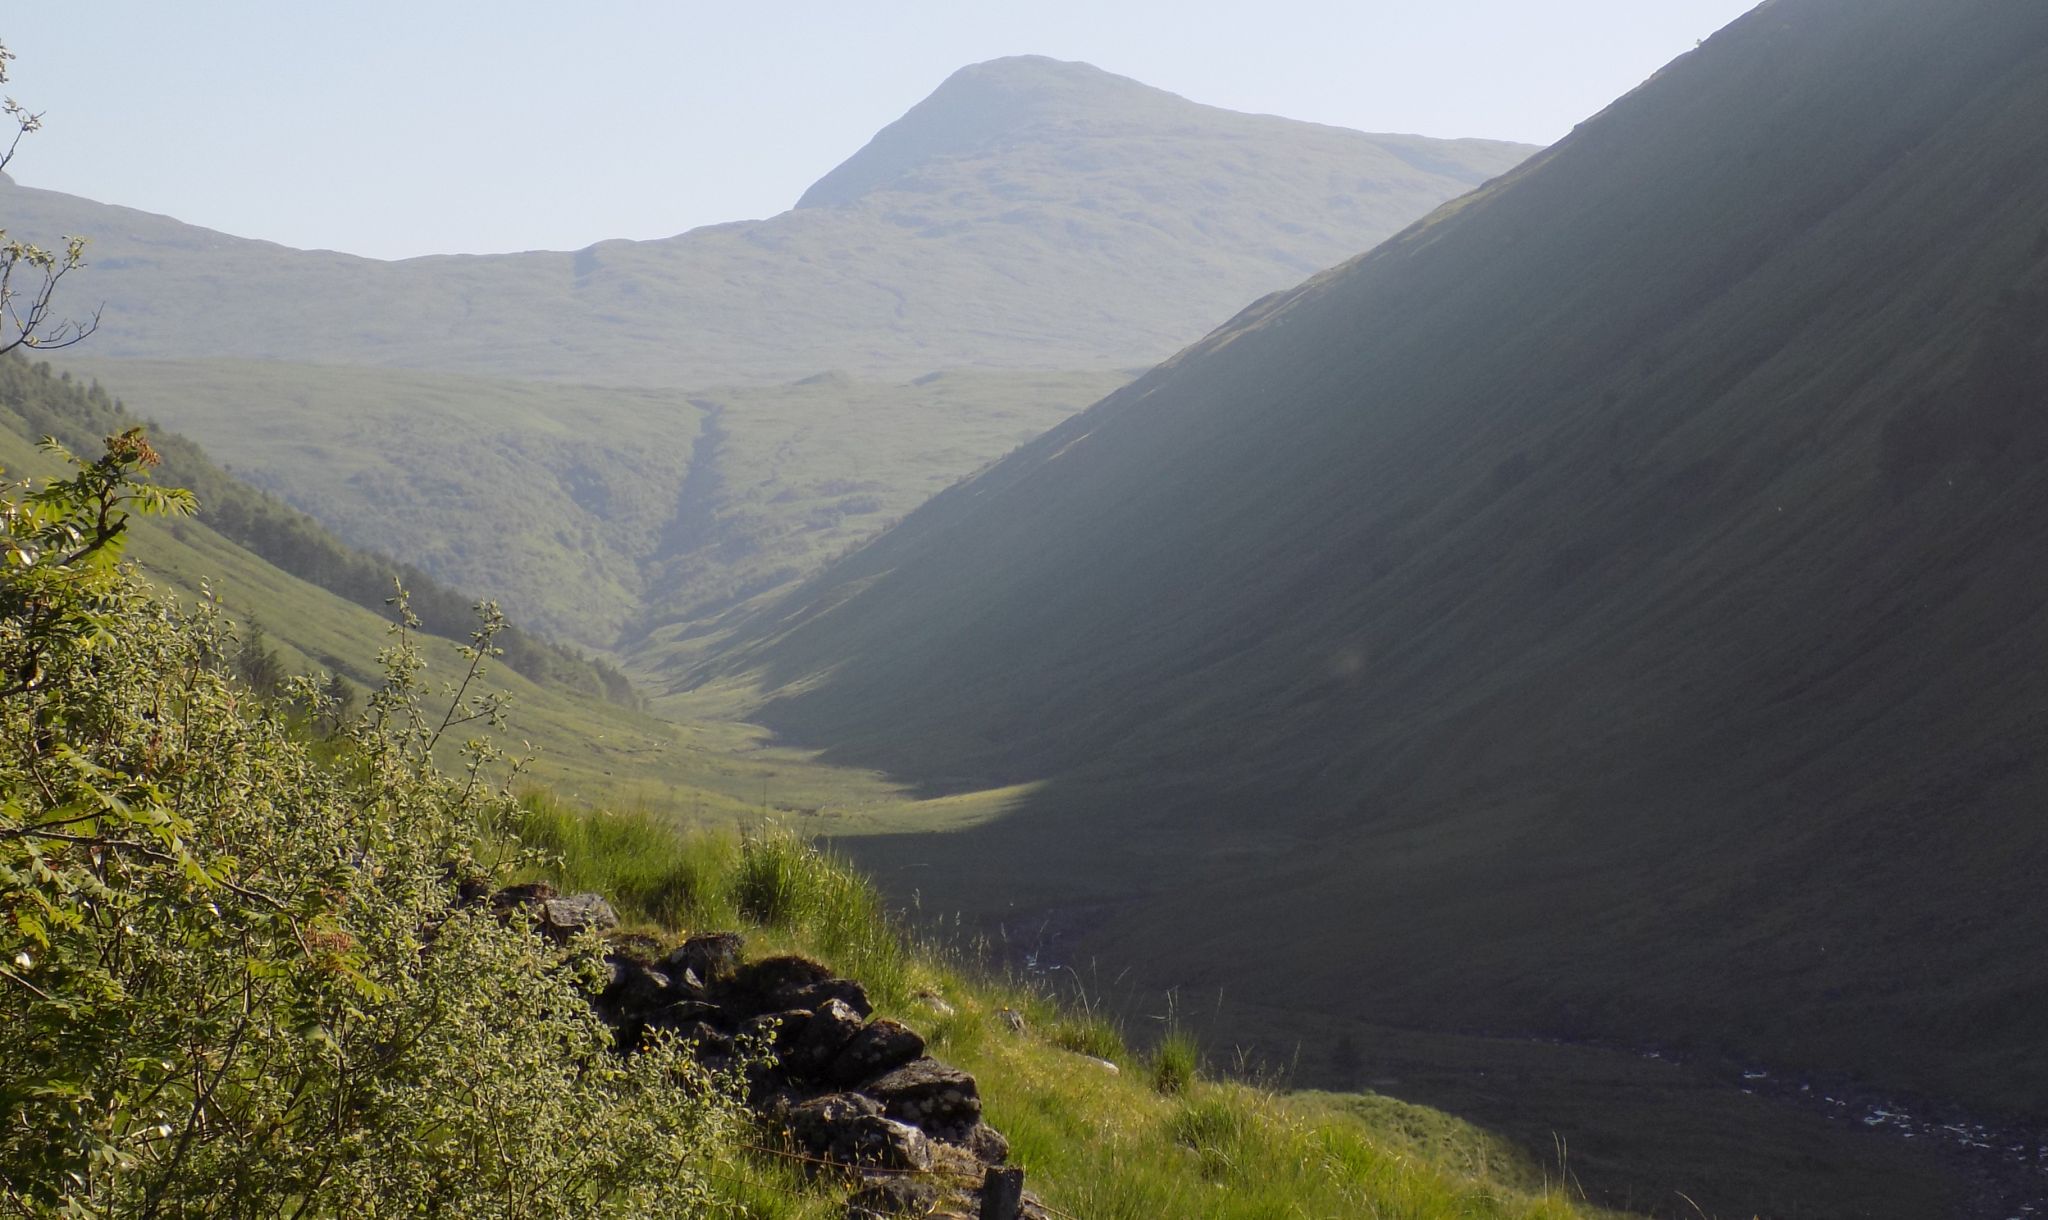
(235, 979)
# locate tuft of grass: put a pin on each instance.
(1215, 1129)
(1175, 1062)
(785, 883)
(637, 862)
(1088, 1034)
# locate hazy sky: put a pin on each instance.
(394, 129)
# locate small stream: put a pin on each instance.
(2008, 1161)
(2003, 1164)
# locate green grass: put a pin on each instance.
(1175, 1061)
(1098, 1143)
(1087, 1033)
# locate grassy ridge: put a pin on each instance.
(706, 767)
(1095, 1143)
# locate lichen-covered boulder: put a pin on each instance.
(774, 1033)
(679, 1013)
(846, 991)
(939, 1100)
(562, 918)
(705, 1042)
(989, 1146)
(882, 1046)
(635, 989)
(558, 918)
(1002, 1194)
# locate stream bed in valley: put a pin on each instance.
(1645, 1131)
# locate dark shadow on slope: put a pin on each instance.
(1609, 609)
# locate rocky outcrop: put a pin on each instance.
(847, 1092)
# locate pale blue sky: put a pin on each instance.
(394, 129)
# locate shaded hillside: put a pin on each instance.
(1608, 608)
(1029, 214)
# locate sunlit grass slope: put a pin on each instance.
(1095, 1142)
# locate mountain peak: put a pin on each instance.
(977, 105)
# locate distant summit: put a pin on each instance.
(983, 104)
(1011, 111)
(1028, 214)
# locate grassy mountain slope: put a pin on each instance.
(1605, 609)
(965, 235)
(285, 952)
(587, 747)
(596, 513)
